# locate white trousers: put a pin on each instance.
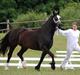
(69, 52)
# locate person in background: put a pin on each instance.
(72, 36)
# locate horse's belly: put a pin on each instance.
(35, 47)
(30, 45)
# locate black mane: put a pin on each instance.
(49, 26)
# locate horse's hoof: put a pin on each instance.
(52, 66)
(6, 68)
(24, 67)
(24, 64)
(37, 68)
(19, 66)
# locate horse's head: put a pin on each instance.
(54, 21)
(56, 16)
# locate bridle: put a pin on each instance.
(58, 21)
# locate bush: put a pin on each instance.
(29, 16)
(7, 9)
(48, 8)
(71, 12)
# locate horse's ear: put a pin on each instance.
(56, 10)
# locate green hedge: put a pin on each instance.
(71, 12)
(29, 16)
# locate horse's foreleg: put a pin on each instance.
(9, 56)
(53, 62)
(41, 59)
(20, 54)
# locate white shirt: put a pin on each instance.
(71, 35)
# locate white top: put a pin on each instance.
(71, 35)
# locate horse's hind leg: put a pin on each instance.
(20, 54)
(9, 56)
(42, 57)
(53, 62)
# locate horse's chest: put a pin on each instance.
(49, 43)
(45, 41)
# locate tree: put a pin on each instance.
(7, 9)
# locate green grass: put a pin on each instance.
(2, 35)
(59, 44)
(43, 71)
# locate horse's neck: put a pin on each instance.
(48, 29)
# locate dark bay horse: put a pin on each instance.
(37, 39)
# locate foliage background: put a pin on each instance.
(25, 10)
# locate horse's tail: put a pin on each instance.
(4, 43)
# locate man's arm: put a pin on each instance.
(63, 32)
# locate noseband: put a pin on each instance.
(57, 20)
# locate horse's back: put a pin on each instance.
(14, 35)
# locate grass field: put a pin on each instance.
(43, 71)
(59, 44)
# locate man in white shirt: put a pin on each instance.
(72, 36)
